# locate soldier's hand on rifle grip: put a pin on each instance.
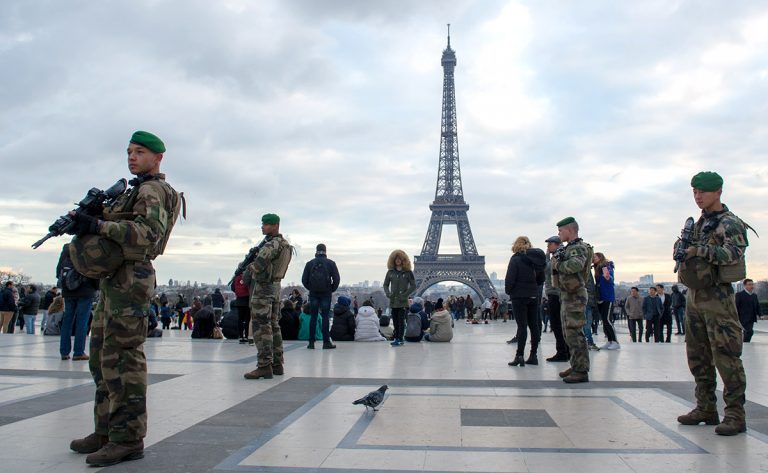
(85, 223)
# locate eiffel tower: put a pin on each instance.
(449, 207)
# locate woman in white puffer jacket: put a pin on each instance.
(367, 325)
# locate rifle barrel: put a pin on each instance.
(39, 242)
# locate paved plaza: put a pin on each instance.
(450, 408)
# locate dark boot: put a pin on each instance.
(697, 416)
(532, 358)
(328, 346)
(731, 426)
(311, 345)
(113, 453)
(260, 372)
(518, 361)
(565, 373)
(278, 370)
(91, 443)
(576, 377)
(559, 357)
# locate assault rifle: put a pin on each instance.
(685, 240)
(249, 258)
(92, 204)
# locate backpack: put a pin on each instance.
(319, 279)
(69, 277)
(239, 287)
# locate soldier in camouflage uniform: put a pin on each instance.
(570, 268)
(139, 222)
(713, 334)
(263, 276)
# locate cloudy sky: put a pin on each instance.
(328, 113)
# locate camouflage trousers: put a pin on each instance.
(265, 318)
(713, 340)
(117, 361)
(573, 317)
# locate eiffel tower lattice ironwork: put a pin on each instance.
(449, 207)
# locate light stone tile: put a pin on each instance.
(514, 437)
(580, 463)
(377, 459)
(501, 462)
(297, 457)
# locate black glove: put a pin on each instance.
(86, 224)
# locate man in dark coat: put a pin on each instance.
(321, 278)
(748, 307)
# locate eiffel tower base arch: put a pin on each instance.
(453, 268)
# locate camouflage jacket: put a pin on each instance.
(261, 269)
(140, 220)
(573, 270)
(549, 288)
(721, 237)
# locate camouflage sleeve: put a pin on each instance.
(731, 239)
(576, 259)
(262, 263)
(148, 225)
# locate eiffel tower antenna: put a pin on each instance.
(449, 207)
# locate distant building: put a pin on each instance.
(646, 280)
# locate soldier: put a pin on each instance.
(713, 334)
(264, 276)
(570, 270)
(118, 249)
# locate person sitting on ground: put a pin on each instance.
(343, 328)
(203, 323)
(304, 319)
(385, 329)
(367, 325)
(441, 325)
(55, 316)
(416, 322)
(165, 316)
(289, 321)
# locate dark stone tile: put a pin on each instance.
(506, 418)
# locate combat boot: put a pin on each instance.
(731, 426)
(278, 370)
(113, 453)
(697, 416)
(576, 377)
(566, 373)
(92, 443)
(260, 372)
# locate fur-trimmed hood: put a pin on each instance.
(403, 256)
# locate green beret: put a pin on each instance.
(270, 219)
(707, 181)
(149, 141)
(565, 221)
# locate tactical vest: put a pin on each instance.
(122, 209)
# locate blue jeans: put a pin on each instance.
(29, 323)
(680, 319)
(319, 303)
(77, 310)
(588, 326)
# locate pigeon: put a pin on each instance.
(373, 399)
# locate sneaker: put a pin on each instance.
(594, 347)
(612, 346)
(606, 346)
(82, 357)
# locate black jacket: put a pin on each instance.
(748, 307)
(289, 324)
(333, 273)
(217, 299)
(525, 273)
(666, 309)
(343, 328)
(7, 302)
(30, 303)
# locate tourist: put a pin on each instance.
(304, 321)
(46, 301)
(204, 320)
(678, 309)
(748, 308)
(29, 306)
(385, 327)
(289, 321)
(604, 280)
(440, 325)
(165, 316)
(55, 317)
(7, 306)
(343, 328)
(469, 305)
(652, 311)
(417, 321)
(591, 311)
(367, 325)
(321, 278)
(243, 307)
(525, 273)
(79, 293)
(217, 302)
(666, 312)
(552, 292)
(634, 307)
(399, 283)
